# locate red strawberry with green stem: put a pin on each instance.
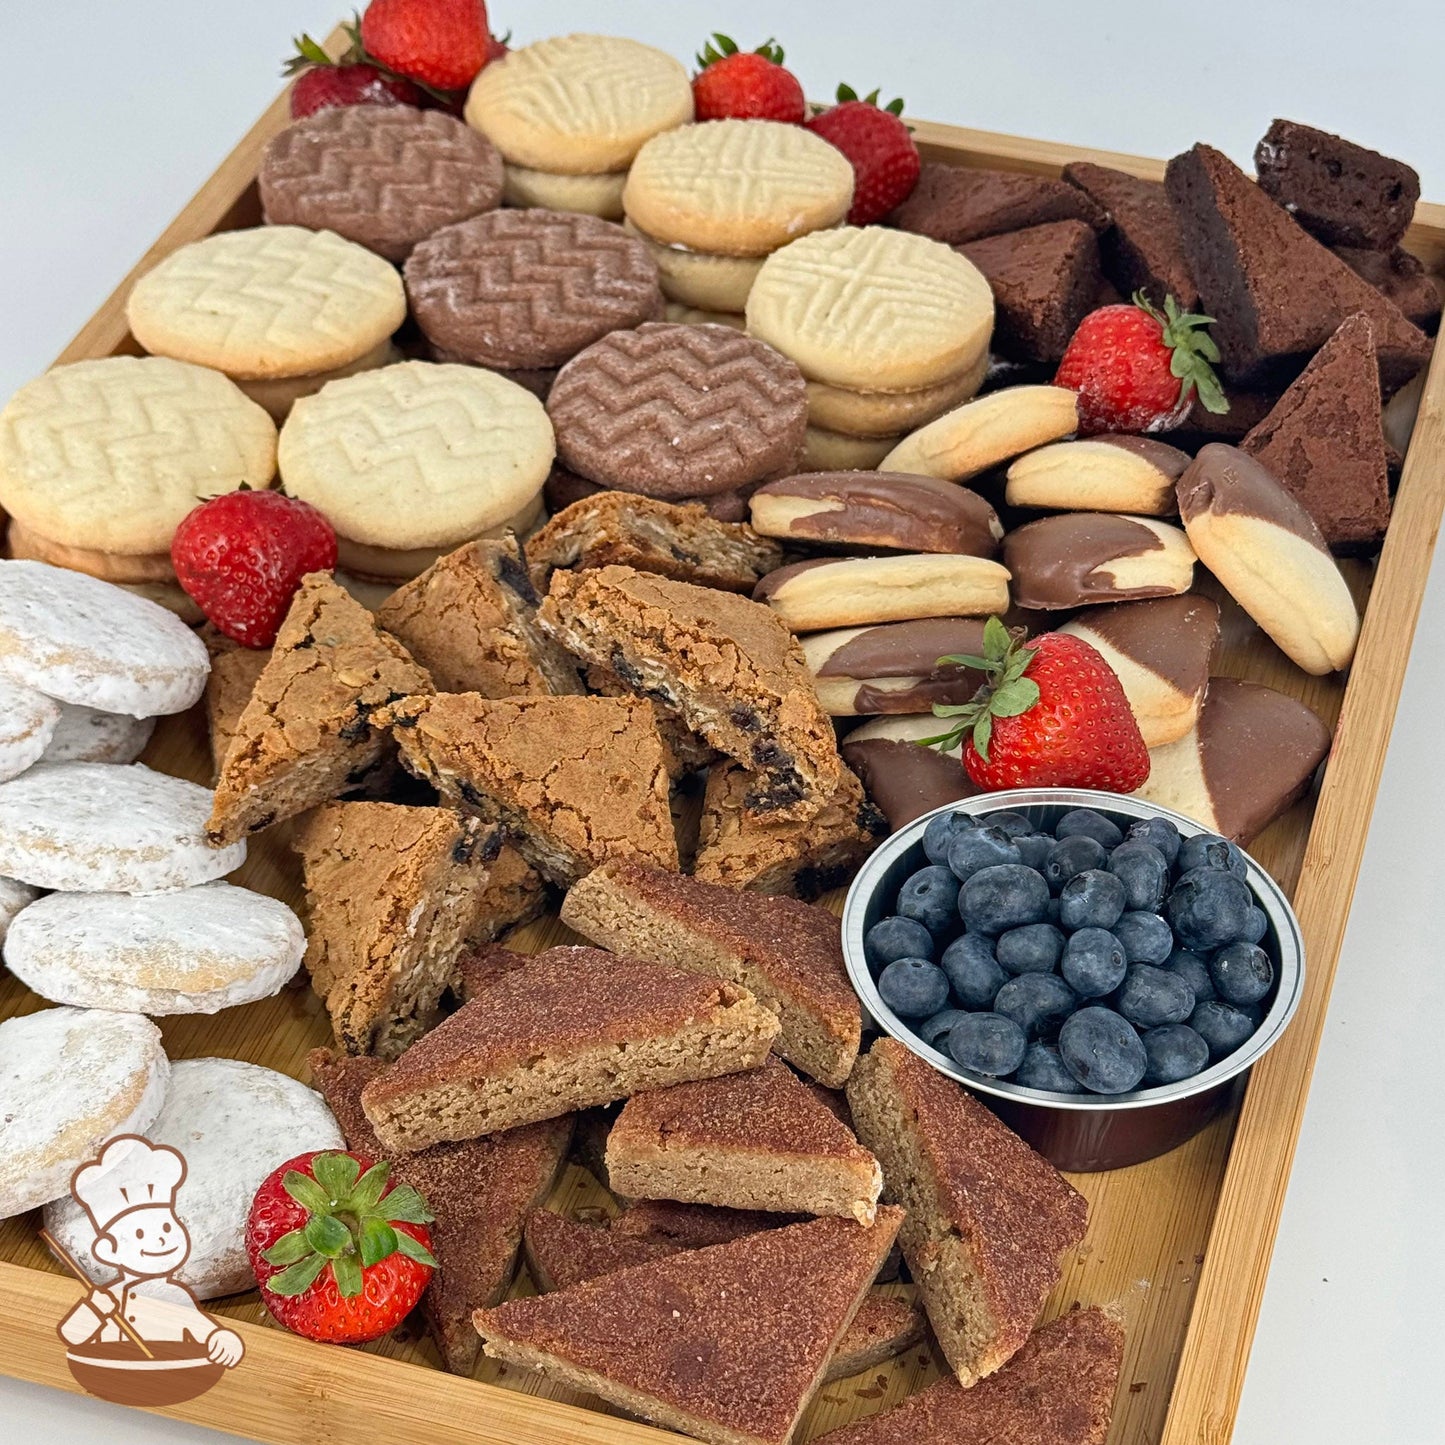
(746, 84)
(885, 160)
(441, 44)
(1052, 714)
(322, 82)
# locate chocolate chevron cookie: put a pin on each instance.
(678, 411)
(1080, 559)
(895, 668)
(384, 176)
(1099, 474)
(1269, 555)
(903, 776)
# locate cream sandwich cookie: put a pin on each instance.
(1080, 559)
(700, 279)
(1161, 652)
(13, 897)
(890, 414)
(1099, 474)
(118, 567)
(832, 451)
(985, 432)
(71, 1078)
(894, 668)
(877, 509)
(27, 723)
(902, 775)
(394, 565)
(693, 316)
(595, 195)
(824, 593)
(1270, 557)
(234, 1123)
(1251, 753)
(86, 735)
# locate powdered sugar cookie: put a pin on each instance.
(86, 735)
(27, 723)
(13, 897)
(70, 1078)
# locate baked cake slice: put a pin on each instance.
(694, 1226)
(728, 665)
(686, 752)
(480, 1191)
(955, 204)
(514, 893)
(573, 780)
(988, 1219)
(470, 620)
(234, 670)
(306, 732)
(788, 954)
(727, 1344)
(576, 1027)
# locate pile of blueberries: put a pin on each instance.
(1079, 961)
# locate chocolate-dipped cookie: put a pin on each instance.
(1081, 559)
(904, 777)
(1099, 474)
(894, 668)
(1269, 555)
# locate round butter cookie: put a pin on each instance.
(87, 735)
(99, 828)
(233, 1123)
(421, 454)
(832, 451)
(699, 278)
(110, 455)
(267, 302)
(278, 394)
(118, 567)
(982, 433)
(170, 597)
(27, 723)
(681, 315)
(71, 1078)
(597, 195)
(578, 104)
(737, 187)
(890, 414)
(393, 565)
(13, 897)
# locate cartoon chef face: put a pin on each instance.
(130, 1194)
(146, 1241)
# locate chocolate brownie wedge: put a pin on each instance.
(576, 1027)
(305, 734)
(726, 1344)
(955, 204)
(481, 1191)
(788, 954)
(728, 665)
(988, 1219)
(1401, 277)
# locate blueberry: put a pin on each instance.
(1206, 850)
(941, 831)
(988, 1044)
(1014, 825)
(1007, 896)
(1144, 872)
(1042, 1068)
(1145, 936)
(1034, 849)
(1257, 926)
(1034, 948)
(1102, 1051)
(930, 897)
(892, 938)
(1208, 908)
(1222, 1026)
(1051, 912)
(973, 971)
(1070, 856)
(1174, 1052)
(1092, 899)
(980, 848)
(1086, 823)
(1160, 832)
(1242, 973)
(1193, 970)
(1150, 997)
(913, 988)
(1037, 1002)
(934, 1030)
(1093, 963)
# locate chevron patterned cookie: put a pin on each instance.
(578, 104)
(419, 454)
(522, 289)
(109, 455)
(737, 187)
(271, 301)
(596, 195)
(382, 176)
(873, 309)
(678, 411)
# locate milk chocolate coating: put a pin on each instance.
(780, 576)
(1172, 636)
(1052, 559)
(906, 780)
(1170, 461)
(1224, 481)
(909, 649)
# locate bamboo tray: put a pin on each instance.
(1179, 1246)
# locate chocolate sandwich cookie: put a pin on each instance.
(1268, 554)
(383, 176)
(878, 509)
(517, 290)
(895, 668)
(901, 774)
(1099, 474)
(678, 411)
(1080, 559)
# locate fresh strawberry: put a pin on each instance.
(885, 160)
(1137, 369)
(241, 556)
(746, 84)
(1052, 714)
(439, 43)
(322, 82)
(340, 1254)
(497, 48)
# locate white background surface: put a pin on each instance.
(111, 115)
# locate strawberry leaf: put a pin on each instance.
(288, 1249)
(327, 1235)
(405, 1206)
(964, 659)
(298, 1278)
(369, 1188)
(306, 1192)
(996, 640)
(335, 1173)
(846, 93)
(983, 735)
(895, 107)
(346, 1271)
(378, 1241)
(1192, 352)
(413, 1248)
(770, 50)
(1014, 697)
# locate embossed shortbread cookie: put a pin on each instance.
(195, 951)
(982, 433)
(889, 414)
(82, 641)
(595, 195)
(86, 735)
(109, 455)
(27, 723)
(13, 897)
(873, 309)
(99, 828)
(832, 451)
(699, 278)
(578, 104)
(737, 187)
(69, 1079)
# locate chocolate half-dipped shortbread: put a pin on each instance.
(896, 667)
(1081, 559)
(1099, 474)
(904, 777)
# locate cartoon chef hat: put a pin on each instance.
(131, 1173)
